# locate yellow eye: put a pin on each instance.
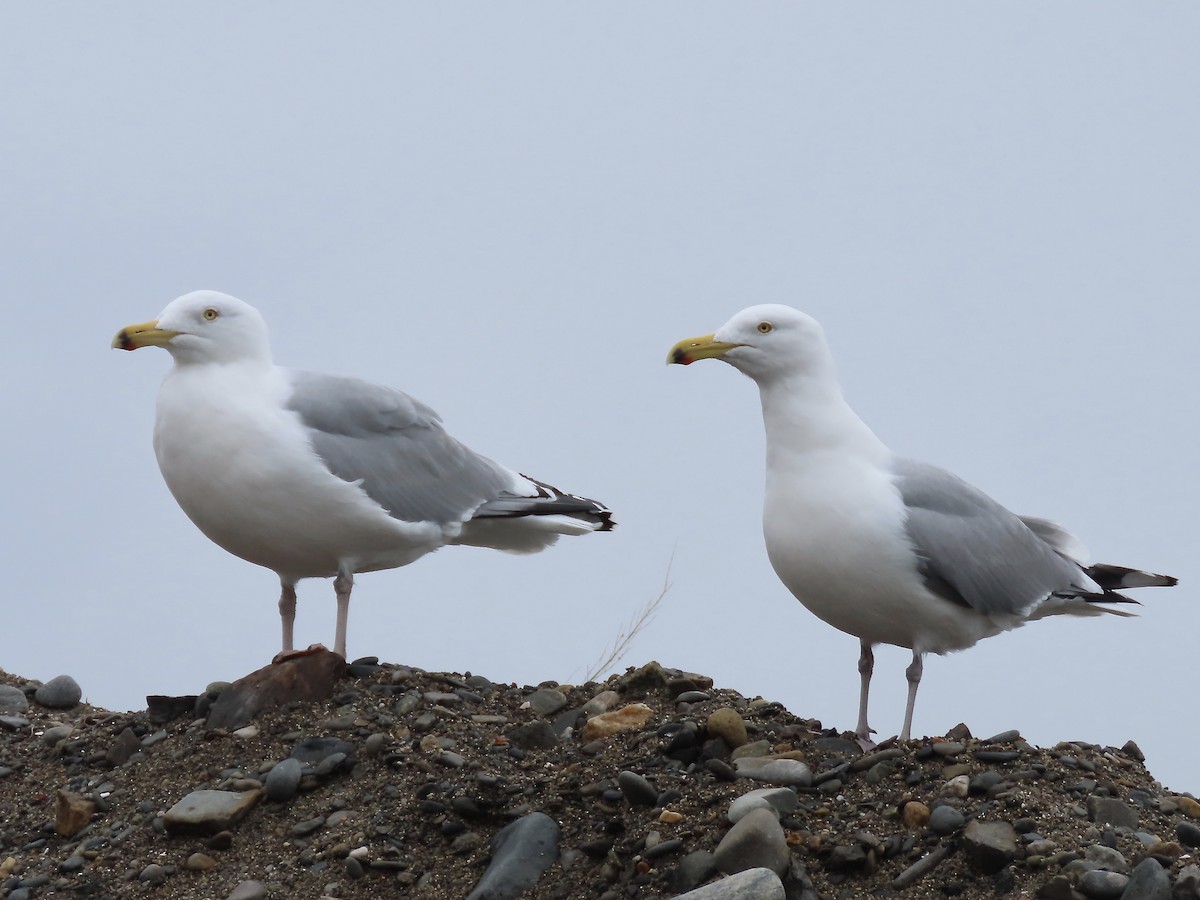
(765, 327)
(211, 314)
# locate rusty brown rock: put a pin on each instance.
(72, 813)
(915, 814)
(302, 677)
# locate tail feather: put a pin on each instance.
(548, 501)
(1113, 578)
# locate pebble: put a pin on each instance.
(537, 735)
(774, 771)
(990, 846)
(636, 789)
(780, 800)
(915, 814)
(1110, 811)
(12, 699)
(521, 853)
(546, 701)
(314, 750)
(1149, 882)
(756, 840)
(207, 811)
(153, 874)
(1103, 885)
(1188, 834)
(751, 884)
(1107, 858)
(248, 890)
(728, 725)
(958, 786)
(1190, 806)
(200, 862)
(945, 820)
(52, 736)
(627, 718)
(60, 692)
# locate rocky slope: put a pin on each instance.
(382, 781)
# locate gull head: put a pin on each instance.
(764, 342)
(202, 327)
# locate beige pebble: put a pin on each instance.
(670, 817)
(1189, 806)
(200, 862)
(627, 718)
(915, 814)
(727, 724)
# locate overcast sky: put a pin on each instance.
(511, 211)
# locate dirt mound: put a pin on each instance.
(401, 781)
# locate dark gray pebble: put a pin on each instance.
(314, 750)
(946, 820)
(521, 852)
(60, 692)
(1188, 834)
(1149, 882)
(283, 781)
(996, 756)
(636, 789)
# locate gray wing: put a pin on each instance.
(396, 448)
(974, 551)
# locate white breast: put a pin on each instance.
(241, 467)
(834, 529)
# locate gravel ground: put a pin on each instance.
(402, 780)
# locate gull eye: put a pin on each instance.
(211, 314)
(765, 327)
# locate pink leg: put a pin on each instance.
(913, 674)
(342, 586)
(866, 666)
(287, 612)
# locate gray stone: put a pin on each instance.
(12, 700)
(60, 692)
(946, 820)
(779, 799)
(537, 735)
(1149, 882)
(636, 789)
(248, 890)
(1110, 811)
(521, 852)
(314, 751)
(693, 869)
(207, 812)
(284, 780)
(751, 884)
(990, 846)
(1107, 858)
(774, 771)
(52, 736)
(1187, 884)
(1103, 885)
(546, 701)
(1188, 834)
(126, 744)
(73, 863)
(756, 840)
(153, 874)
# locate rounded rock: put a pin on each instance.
(757, 840)
(60, 692)
(12, 699)
(636, 789)
(1103, 885)
(728, 725)
(946, 820)
(284, 780)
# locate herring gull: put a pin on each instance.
(888, 549)
(319, 476)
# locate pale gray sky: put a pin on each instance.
(511, 212)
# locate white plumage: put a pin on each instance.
(316, 475)
(888, 549)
